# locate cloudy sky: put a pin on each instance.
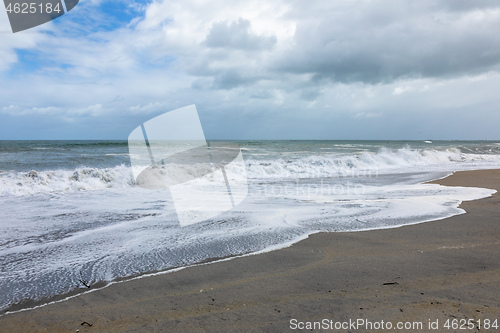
(281, 69)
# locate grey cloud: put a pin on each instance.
(237, 35)
(249, 85)
(225, 79)
(230, 79)
(404, 42)
(461, 5)
(262, 94)
(202, 83)
(310, 94)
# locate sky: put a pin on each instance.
(281, 69)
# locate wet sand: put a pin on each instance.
(447, 269)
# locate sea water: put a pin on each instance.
(71, 213)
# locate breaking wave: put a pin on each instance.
(51, 181)
(385, 160)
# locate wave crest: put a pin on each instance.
(343, 165)
(314, 166)
(53, 181)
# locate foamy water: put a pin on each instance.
(72, 211)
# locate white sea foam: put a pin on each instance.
(60, 225)
(384, 161)
(61, 181)
(47, 245)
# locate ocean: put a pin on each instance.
(72, 214)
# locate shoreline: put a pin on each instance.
(323, 253)
(32, 304)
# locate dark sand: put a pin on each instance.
(438, 270)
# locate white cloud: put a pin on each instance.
(237, 35)
(9, 42)
(258, 59)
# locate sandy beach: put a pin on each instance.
(436, 271)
